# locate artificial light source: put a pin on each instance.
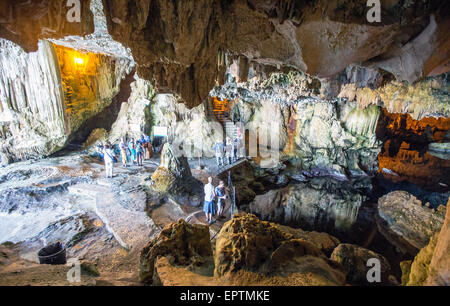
(79, 61)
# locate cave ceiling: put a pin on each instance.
(180, 46)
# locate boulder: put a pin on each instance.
(174, 176)
(354, 259)
(406, 223)
(431, 266)
(325, 242)
(247, 244)
(185, 244)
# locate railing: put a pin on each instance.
(232, 192)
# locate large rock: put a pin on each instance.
(320, 204)
(313, 132)
(174, 174)
(186, 244)
(354, 259)
(431, 266)
(193, 132)
(246, 244)
(406, 223)
(134, 116)
(439, 273)
(325, 242)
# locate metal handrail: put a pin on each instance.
(232, 189)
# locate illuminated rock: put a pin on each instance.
(406, 223)
(47, 96)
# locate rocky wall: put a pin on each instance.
(47, 96)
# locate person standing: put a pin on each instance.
(218, 149)
(132, 147)
(123, 151)
(149, 147)
(109, 160)
(208, 205)
(139, 153)
(229, 151)
(220, 192)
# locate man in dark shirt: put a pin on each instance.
(220, 192)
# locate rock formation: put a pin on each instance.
(185, 244)
(406, 223)
(46, 97)
(247, 244)
(26, 22)
(319, 204)
(173, 175)
(431, 266)
(193, 132)
(185, 42)
(248, 252)
(134, 116)
(355, 259)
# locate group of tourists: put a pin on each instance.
(209, 206)
(229, 152)
(133, 151)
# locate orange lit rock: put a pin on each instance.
(405, 149)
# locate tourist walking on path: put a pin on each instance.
(208, 206)
(109, 160)
(123, 152)
(220, 192)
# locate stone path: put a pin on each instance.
(130, 228)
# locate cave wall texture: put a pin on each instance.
(26, 22)
(46, 97)
(179, 45)
(327, 49)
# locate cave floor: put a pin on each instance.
(104, 223)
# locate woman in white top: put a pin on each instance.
(108, 155)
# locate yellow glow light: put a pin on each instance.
(79, 61)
